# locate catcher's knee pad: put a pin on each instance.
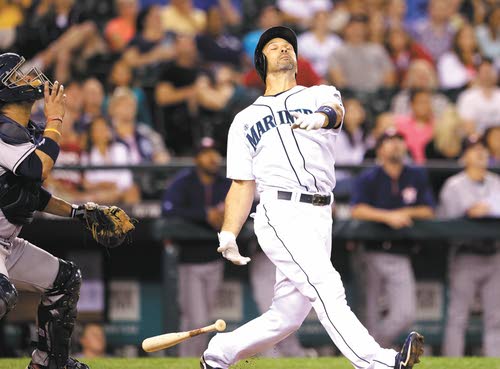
(56, 321)
(8, 295)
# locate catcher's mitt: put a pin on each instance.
(108, 225)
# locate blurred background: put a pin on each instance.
(152, 88)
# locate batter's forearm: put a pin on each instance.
(237, 206)
(58, 207)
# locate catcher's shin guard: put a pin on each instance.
(8, 295)
(56, 321)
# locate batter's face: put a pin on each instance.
(280, 56)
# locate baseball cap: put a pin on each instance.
(388, 134)
(206, 143)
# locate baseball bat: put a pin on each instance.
(167, 340)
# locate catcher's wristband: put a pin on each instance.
(77, 211)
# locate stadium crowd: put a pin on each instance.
(147, 80)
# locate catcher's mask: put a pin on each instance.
(274, 32)
(18, 84)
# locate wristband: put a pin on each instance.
(77, 211)
(49, 147)
(52, 130)
(330, 113)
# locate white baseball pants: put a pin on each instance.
(297, 239)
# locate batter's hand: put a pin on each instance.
(229, 249)
(308, 121)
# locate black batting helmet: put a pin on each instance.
(274, 32)
(17, 85)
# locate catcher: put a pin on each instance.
(27, 155)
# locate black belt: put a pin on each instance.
(316, 199)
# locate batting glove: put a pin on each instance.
(308, 121)
(229, 249)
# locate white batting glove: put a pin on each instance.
(308, 121)
(229, 249)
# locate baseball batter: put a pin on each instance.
(284, 144)
(27, 155)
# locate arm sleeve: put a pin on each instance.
(174, 205)
(239, 159)
(13, 155)
(31, 167)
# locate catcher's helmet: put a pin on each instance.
(17, 85)
(274, 32)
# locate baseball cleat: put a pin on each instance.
(204, 365)
(411, 351)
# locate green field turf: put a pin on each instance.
(320, 363)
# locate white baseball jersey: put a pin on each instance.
(263, 147)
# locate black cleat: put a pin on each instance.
(411, 351)
(204, 365)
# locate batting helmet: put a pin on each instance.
(274, 32)
(17, 85)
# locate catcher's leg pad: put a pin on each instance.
(8, 295)
(57, 320)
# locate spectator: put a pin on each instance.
(215, 44)
(420, 75)
(302, 12)
(12, 14)
(269, 16)
(176, 94)
(150, 46)
(458, 67)
(395, 12)
(93, 342)
(121, 76)
(448, 136)
(492, 140)
(435, 32)
(417, 128)
(479, 105)
(68, 40)
(121, 30)
(488, 36)
(394, 194)
(181, 17)
(359, 65)
(318, 44)
(144, 144)
(93, 103)
(230, 10)
(383, 122)
(350, 143)
(474, 266)
(109, 186)
(403, 51)
(197, 196)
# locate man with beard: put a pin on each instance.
(394, 194)
(283, 146)
(196, 196)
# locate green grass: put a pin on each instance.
(321, 363)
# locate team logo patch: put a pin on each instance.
(409, 195)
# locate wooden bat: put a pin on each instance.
(167, 340)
